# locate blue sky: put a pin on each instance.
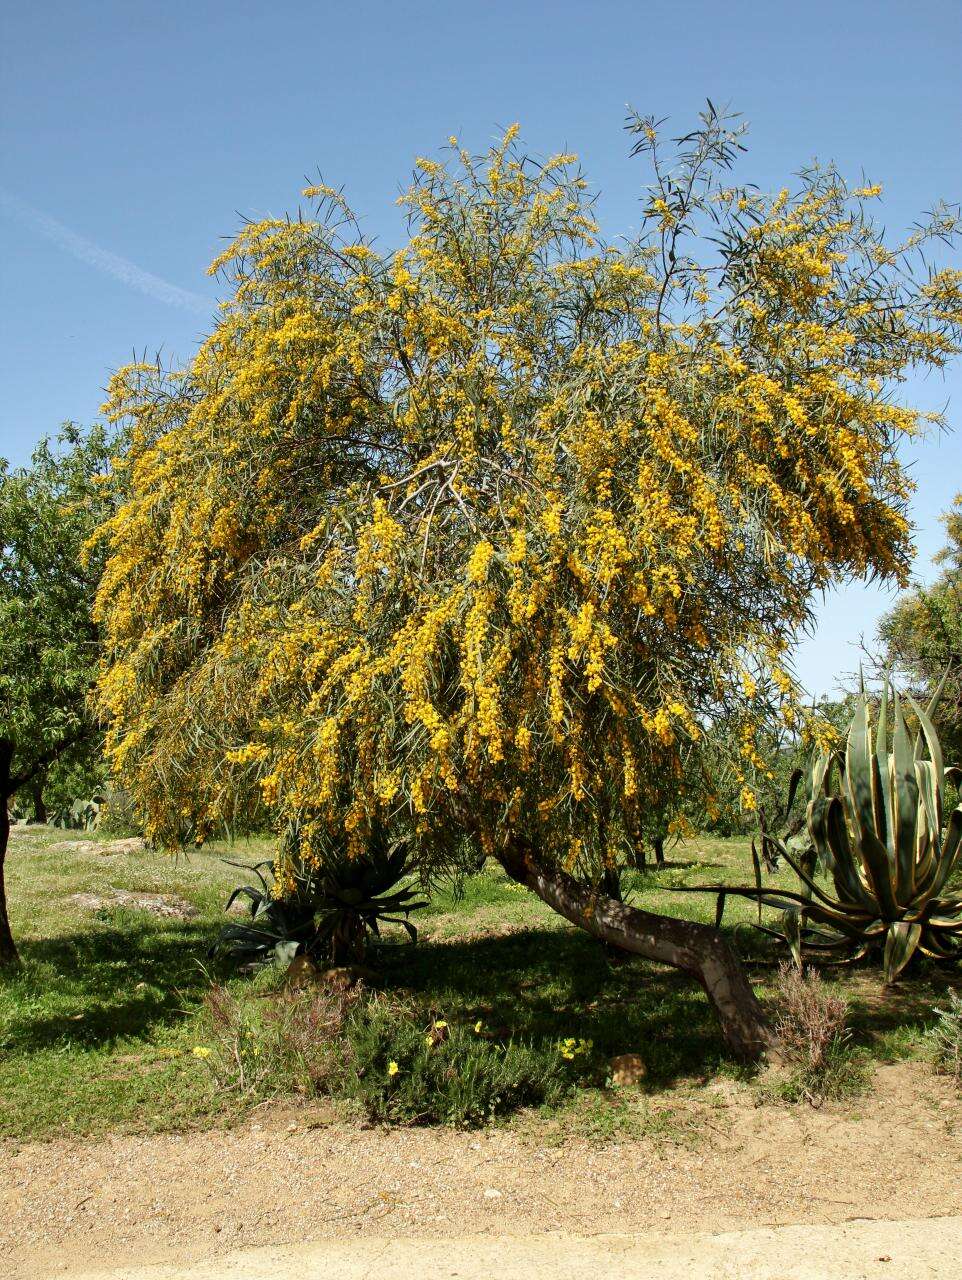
(134, 136)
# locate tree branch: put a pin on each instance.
(16, 781)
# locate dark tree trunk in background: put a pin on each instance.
(36, 794)
(8, 948)
(611, 879)
(696, 949)
(612, 884)
(659, 844)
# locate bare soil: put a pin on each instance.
(923, 1249)
(69, 1208)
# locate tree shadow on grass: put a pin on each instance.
(134, 981)
(876, 1010)
(545, 985)
(109, 984)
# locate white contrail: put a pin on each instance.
(103, 260)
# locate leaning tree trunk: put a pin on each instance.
(8, 948)
(696, 949)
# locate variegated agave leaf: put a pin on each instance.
(876, 819)
(901, 941)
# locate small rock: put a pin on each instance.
(106, 847)
(492, 1193)
(167, 905)
(301, 972)
(340, 978)
(345, 976)
(628, 1069)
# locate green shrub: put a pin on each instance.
(405, 1071)
(879, 824)
(117, 815)
(329, 910)
(946, 1038)
(387, 1058)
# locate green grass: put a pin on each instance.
(97, 1029)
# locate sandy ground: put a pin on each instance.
(877, 1178)
(930, 1249)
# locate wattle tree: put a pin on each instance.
(473, 540)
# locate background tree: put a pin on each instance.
(476, 537)
(48, 640)
(922, 636)
(735, 792)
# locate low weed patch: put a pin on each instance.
(815, 1041)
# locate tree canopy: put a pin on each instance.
(48, 640)
(480, 534)
(922, 635)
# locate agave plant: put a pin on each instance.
(332, 910)
(877, 827)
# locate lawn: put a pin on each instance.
(99, 1028)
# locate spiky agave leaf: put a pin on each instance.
(332, 906)
(901, 941)
(879, 833)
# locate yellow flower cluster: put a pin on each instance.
(484, 533)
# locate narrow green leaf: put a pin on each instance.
(883, 820)
(758, 878)
(845, 870)
(905, 806)
(792, 929)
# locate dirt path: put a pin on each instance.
(359, 1198)
(930, 1249)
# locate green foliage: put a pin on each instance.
(405, 1071)
(781, 752)
(381, 1054)
(280, 926)
(79, 815)
(48, 642)
(289, 1040)
(814, 1041)
(922, 635)
(116, 815)
(71, 779)
(842, 1074)
(946, 1037)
